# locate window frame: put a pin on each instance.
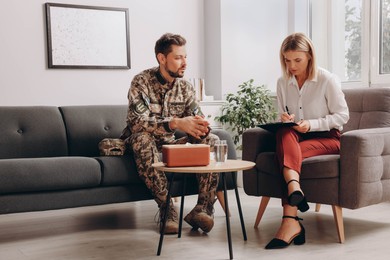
(377, 79)
(335, 41)
(365, 55)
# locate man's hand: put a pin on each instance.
(196, 126)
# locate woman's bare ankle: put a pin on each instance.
(287, 229)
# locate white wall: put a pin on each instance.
(252, 31)
(26, 80)
(228, 42)
(213, 61)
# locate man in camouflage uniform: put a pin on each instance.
(160, 102)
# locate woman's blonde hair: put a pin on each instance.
(299, 42)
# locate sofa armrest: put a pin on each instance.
(255, 141)
(364, 167)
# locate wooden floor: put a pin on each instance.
(128, 231)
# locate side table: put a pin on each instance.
(228, 166)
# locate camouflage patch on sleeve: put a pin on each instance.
(140, 107)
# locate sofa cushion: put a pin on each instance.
(119, 170)
(316, 167)
(48, 174)
(27, 132)
(86, 126)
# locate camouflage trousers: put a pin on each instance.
(147, 151)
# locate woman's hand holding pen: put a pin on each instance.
(287, 117)
(303, 126)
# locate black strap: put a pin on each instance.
(292, 181)
(296, 217)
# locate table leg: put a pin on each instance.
(183, 192)
(239, 205)
(162, 231)
(227, 216)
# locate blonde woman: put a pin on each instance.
(312, 98)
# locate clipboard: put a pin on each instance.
(273, 127)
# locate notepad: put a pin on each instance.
(273, 127)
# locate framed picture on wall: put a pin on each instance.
(87, 37)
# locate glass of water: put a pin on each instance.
(220, 151)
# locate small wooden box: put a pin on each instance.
(177, 155)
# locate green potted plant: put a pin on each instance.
(250, 106)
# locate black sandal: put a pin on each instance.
(298, 239)
(297, 199)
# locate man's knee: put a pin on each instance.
(144, 148)
(141, 137)
(141, 141)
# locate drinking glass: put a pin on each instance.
(220, 151)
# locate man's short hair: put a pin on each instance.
(164, 44)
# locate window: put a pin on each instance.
(380, 42)
(384, 37)
(352, 38)
(338, 30)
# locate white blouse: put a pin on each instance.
(320, 101)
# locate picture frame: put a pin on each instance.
(87, 37)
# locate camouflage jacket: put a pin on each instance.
(153, 102)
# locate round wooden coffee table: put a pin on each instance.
(228, 166)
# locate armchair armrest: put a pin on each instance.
(364, 167)
(255, 141)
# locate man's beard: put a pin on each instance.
(174, 74)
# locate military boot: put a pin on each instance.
(201, 216)
(172, 223)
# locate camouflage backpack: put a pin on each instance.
(110, 146)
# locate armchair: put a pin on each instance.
(359, 176)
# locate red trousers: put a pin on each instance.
(292, 147)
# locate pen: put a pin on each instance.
(288, 112)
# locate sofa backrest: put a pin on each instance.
(86, 126)
(31, 131)
(368, 108)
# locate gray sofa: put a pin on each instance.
(49, 159)
(358, 177)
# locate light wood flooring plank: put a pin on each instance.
(128, 231)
